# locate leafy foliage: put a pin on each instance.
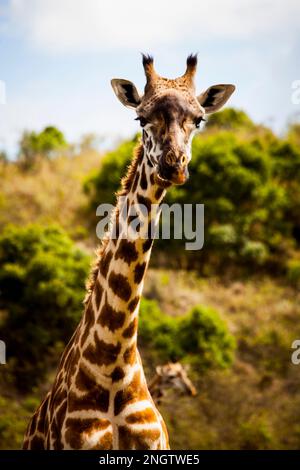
(14, 417)
(45, 144)
(42, 279)
(200, 337)
(230, 118)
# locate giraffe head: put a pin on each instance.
(172, 375)
(170, 112)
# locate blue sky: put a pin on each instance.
(57, 58)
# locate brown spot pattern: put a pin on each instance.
(104, 263)
(126, 251)
(102, 353)
(133, 304)
(75, 428)
(72, 365)
(158, 193)
(135, 182)
(139, 272)
(83, 381)
(147, 244)
(33, 423)
(130, 355)
(60, 414)
(152, 179)
(143, 182)
(111, 318)
(89, 320)
(57, 424)
(106, 442)
(144, 201)
(144, 416)
(131, 329)
(117, 374)
(120, 286)
(95, 399)
(135, 391)
(139, 440)
(37, 443)
(98, 290)
(57, 398)
(116, 227)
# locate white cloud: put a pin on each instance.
(81, 25)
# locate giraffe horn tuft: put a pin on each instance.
(191, 62)
(191, 67)
(148, 64)
(147, 60)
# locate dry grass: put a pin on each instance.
(50, 193)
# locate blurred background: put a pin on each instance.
(229, 312)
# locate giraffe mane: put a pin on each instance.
(127, 180)
(126, 184)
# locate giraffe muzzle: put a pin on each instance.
(174, 168)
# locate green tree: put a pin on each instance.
(230, 119)
(200, 337)
(42, 278)
(293, 133)
(44, 144)
(286, 157)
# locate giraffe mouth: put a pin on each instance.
(162, 181)
(181, 176)
(178, 176)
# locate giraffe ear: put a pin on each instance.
(215, 97)
(126, 92)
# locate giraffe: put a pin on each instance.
(172, 375)
(99, 398)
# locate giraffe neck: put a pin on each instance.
(100, 399)
(109, 336)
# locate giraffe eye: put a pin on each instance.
(142, 120)
(198, 121)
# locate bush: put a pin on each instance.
(255, 435)
(14, 417)
(45, 143)
(201, 337)
(254, 251)
(205, 338)
(42, 277)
